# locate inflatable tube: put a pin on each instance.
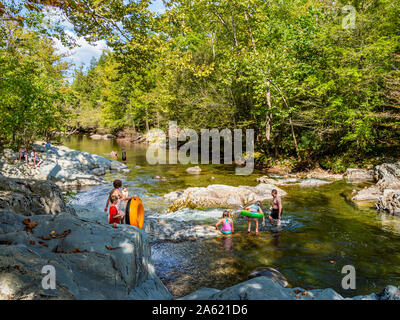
(135, 212)
(251, 214)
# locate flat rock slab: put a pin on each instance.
(221, 196)
(263, 288)
(92, 260)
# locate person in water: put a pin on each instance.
(123, 151)
(227, 223)
(254, 208)
(125, 194)
(114, 216)
(114, 154)
(276, 208)
(115, 192)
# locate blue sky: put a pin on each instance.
(83, 53)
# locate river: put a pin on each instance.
(322, 230)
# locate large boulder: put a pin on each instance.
(65, 167)
(389, 201)
(270, 273)
(217, 196)
(263, 288)
(370, 194)
(92, 260)
(31, 197)
(172, 230)
(194, 170)
(359, 175)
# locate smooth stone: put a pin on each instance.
(194, 170)
(270, 273)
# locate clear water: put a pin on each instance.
(322, 230)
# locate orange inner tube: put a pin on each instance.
(135, 212)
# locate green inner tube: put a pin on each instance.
(251, 214)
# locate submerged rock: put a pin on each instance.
(217, 196)
(270, 273)
(390, 201)
(172, 230)
(65, 167)
(194, 170)
(263, 288)
(31, 197)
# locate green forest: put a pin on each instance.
(318, 81)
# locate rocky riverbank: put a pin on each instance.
(263, 288)
(94, 260)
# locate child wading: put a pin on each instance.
(255, 208)
(114, 216)
(227, 227)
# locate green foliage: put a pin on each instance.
(31, 86)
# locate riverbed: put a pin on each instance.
(322, 230)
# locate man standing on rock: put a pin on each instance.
(276, 208)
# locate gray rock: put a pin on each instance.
(270, 273)
(313, 182)
(96, 137)
(390, 293)
(85, 267)
(65, 167)
(194, 170)
(31, 197)
(370, 194)
(217, 195)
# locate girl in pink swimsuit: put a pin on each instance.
(227, 224)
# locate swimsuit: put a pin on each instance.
(226, 228)
(275, 214)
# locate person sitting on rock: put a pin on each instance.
(23, 154)
(255, 208)
(114, 216)
(227, 223)
(36, 159)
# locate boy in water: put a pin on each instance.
(276, 208)
(114, 215)
(255, 208)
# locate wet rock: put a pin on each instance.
(359, 175)
(92, 260)
(270, 273)
(267, 180)
(217, 196)
(194, 170)
(96, 137)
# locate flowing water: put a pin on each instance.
(322, 230)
